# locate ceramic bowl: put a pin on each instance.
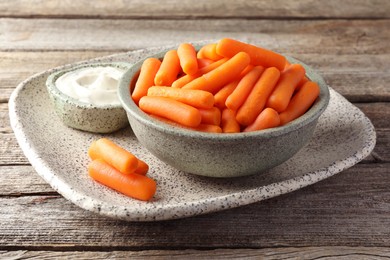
(86, 116)
(221, 155)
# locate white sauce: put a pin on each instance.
(94, 85)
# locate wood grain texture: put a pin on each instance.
(203, 8)
(286, 36)
(351, 208)
(326, 252)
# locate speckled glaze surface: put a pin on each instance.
(221, 155)
(343, 137)
(83, 116)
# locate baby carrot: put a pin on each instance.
(300, 102)
(204, 62)
(142, 168)
(187, 58)
(180, 82)
(208, 51)
(221, 96)
(208, 128)
(196, 98)
(229, 123)
(259, 57)
(114, 155)
(268, 118)
(172, 109)
(301, 83)
(244, 87)
(217, 78)
(210, 116)
(201, 127)
(169, 69)
(257, 98)
(145, 79)
(281, 95)
(133, 185)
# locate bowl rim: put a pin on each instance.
(52, 88)
(311, 115)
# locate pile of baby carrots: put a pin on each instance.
(228, 86)
(120, 170)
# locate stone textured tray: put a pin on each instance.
(343, 137)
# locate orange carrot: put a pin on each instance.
(217, 78)
(229, 123)
(145, 79)
(285, 87)
(187, 58)
(200, 127)
(180, 82)
(142, 168)
(259, 56)
(300, 102)
(196, 98)
(210, 116)
(301, 83)
(257, 98)
(268, 118)
(169, 69)
(133, 185)
(204, 62)
(208, 128)
(114, 155)
(208, 51)
(221, 96)
(244, 87)
(172, 109)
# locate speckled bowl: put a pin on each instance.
(84, 116)
(221, 155)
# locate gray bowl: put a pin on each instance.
(85, 116)
(221, 155)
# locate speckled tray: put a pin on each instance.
(343, 137)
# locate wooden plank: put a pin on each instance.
(292, 36)
(326, 252)
(349, 209)
(202, 8)
(22, 180)
(359, 77)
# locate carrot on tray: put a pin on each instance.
(257, 98)
(229, 123)
(208, 51)
(114, 155)
(142, 168)
(145, 79)
(288, 81)
(195, 98)
(268, 118)
(133, 185)
(187, 58)
(171, 109)
(220, 76)
(244, 87)
(259, 57)
(210, 116)
(169, 69)
(300, 102)
(180, 82)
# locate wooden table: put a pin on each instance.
(345, 216)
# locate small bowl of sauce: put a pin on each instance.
(85, 96)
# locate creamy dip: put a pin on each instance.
(94, 85)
